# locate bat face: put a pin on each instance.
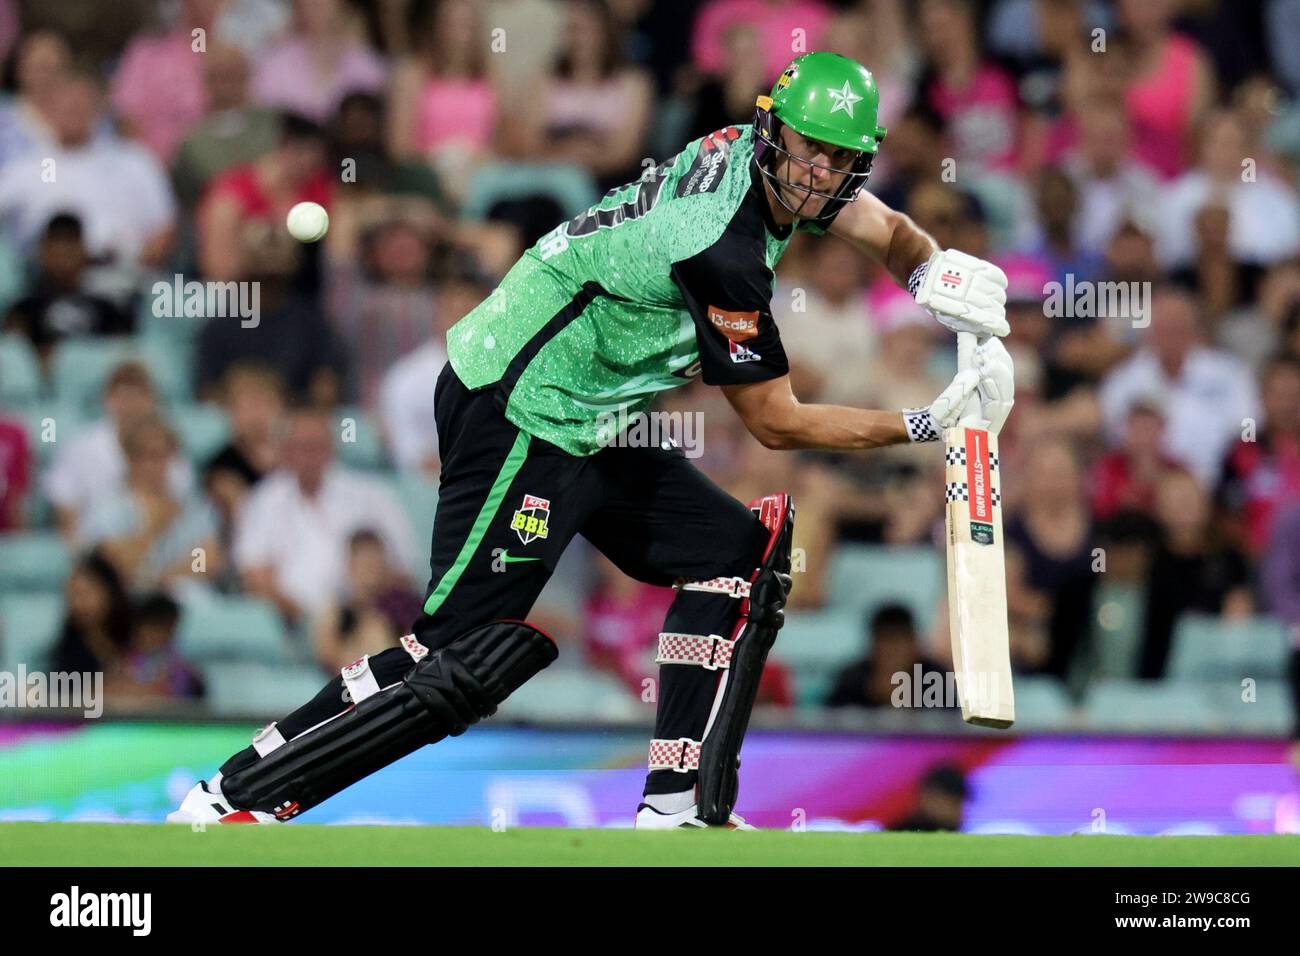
(977, 583)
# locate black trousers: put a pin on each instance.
(510, 503)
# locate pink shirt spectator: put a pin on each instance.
(776, 23)
(456, 112)
(15, 471)
(159, 89)
(981, 118)
(1160, 109)
(289, 78)
(240, 183)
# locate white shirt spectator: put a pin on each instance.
(406, 406)
(837, 341)
(252, 25)
(91, 463)
(305, 540)
(1105, 203)
(116, 188)
(1264, 221)
(1205, 407)
(117, 514)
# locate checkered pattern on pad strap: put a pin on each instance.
(681, 755)
(710, 651)
(732, 587)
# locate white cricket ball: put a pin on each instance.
(308, 222)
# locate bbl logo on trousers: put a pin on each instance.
(529, 521)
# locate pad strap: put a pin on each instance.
(360, 680)
(268, 739)
(682, 755)
(413, 647)
(732, 587)
(710, 651)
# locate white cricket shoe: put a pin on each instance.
(648, 818)
(207, 804)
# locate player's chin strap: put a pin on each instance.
(738, 660)
(431, 695)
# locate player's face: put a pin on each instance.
(811, 167)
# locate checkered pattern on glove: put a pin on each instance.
(921, 425)
(916, 278)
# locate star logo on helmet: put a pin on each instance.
(843, 98)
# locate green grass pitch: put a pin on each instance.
(89, 844)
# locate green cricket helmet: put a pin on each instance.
(828, 98)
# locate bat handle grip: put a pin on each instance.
(966, 342)
(965, 351)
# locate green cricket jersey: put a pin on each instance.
(663, 279)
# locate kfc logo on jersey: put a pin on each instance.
(529, 522)
(740, 354)
(737, 326)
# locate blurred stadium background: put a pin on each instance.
(152, 452)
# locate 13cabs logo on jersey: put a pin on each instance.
(737, 326)
(529, 521)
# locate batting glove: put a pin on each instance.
(927, 424)
(964, 293)
(997, 385)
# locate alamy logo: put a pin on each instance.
(75, 908)
(56, 690)
(228, 300)
(1085, 299)
(665, 430)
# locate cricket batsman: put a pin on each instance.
(664, 279)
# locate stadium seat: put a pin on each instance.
(572, 188)
(1158, 706)
(29, 625)
(20, 375)
(1263, 708)
(259, 691)
(419, 498)
(815, 645)
(1041, 703)
(202, 429)
(169, 364)
(233, 629)
(81, 366)
(180, 329)
(1205, 648)
(33, 561)
(568, 695)
(358, 441)
(863, 577)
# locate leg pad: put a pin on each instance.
(442, 695)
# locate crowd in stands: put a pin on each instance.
(1148, 147)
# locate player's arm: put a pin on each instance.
(774, 416)
(964, 293)
(884, 235)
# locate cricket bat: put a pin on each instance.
(977, 576)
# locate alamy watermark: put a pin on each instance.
(684, 430)
(931, 689)
(193, 299)
(23, 689)
(1086, 299)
